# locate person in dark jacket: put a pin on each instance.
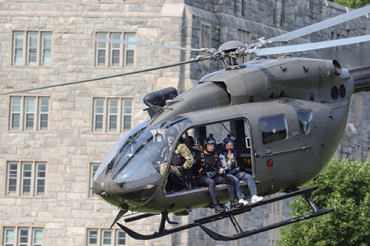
(210, 172)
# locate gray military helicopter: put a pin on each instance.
(286, 117)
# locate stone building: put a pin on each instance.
(52, 140)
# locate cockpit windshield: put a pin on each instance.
(113, 153)
(137, 164)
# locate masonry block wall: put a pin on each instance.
(66, 211)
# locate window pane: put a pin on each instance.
(32, 47)
(18, 53)
(37, 237)
(121, 238)
(46, 44)
(9, 236)
(30, 105)
(115, 57)
(15, 112)
(23, 237)
(127, 106)
(46, 56)
(112, 122)
(101, 57)
(129, 58)
(12, 174)
(30, 110)
(98, 122)
(16, 104)
(274, 128)
(99, 105)
(29, 121)
(93, 237)
(26, 179)
(41, 169)
(130, 37)
(40, 187)
(18, 47)
(107, 235)
(18, 40)
(15, 121)
(44, 118)
(44, 102)
(47, 40)
(40, 179)
(118, 37)
(126, 123)
(101, 44)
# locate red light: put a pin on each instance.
(270, 163)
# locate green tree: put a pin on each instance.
(353, 3)
(344, 186)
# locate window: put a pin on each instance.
(93, 168)
(305, 119)
(205, 38)
(23, 236)
(110, 54)
(31, 48)
(26, 178)
(29, 113)
(112, 114)
(274, 128)
(105, 237)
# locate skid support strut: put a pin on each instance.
(306, 193)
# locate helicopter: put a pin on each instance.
(283, 114)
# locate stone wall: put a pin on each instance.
(66, 210)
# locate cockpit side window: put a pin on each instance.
(304, 119)
(274, 128)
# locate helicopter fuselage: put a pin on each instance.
(287, 117)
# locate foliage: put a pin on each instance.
(344, 186)
(353, 3)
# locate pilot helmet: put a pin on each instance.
(227, 141)
(171, 131)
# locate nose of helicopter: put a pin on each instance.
(107, 189)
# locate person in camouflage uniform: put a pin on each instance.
(182, 160)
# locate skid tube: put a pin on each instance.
(306, 193)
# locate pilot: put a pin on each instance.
(182, 160)
(210, 172)
(229, 163)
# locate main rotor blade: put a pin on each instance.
(311, 46)
(322, 25)
(111, 40)
(108, 77)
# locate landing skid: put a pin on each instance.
(306, 193)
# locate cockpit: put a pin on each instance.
(133, 161)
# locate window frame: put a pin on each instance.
(111, 49)
(21, 181)
(106, 112)
(37, 113)
(100, 232)
(30, 237)
(266, 139)
(27, 49)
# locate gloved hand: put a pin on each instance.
(221, 171)
(180, 169)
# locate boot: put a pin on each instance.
(235, 204)
(219, 209)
